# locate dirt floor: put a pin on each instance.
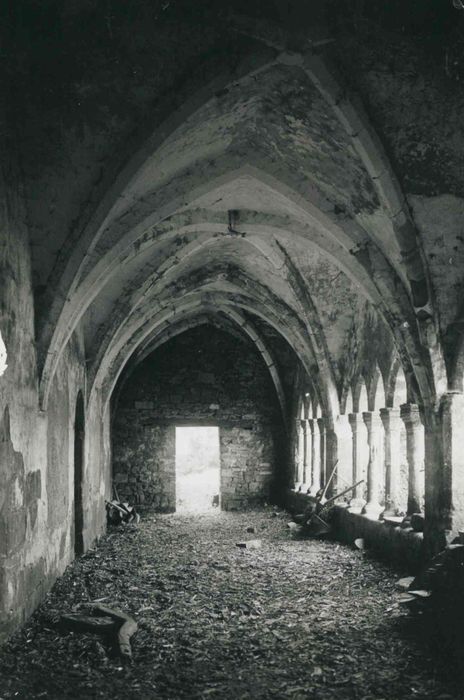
(295, 618)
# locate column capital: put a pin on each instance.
(342, 425)
(410, 414)
(390, 418)
(355, 420)
(372, 419)
(452, 398)
(321, 423)
(342, 418)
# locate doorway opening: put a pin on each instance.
(197, 469)
(79, 436)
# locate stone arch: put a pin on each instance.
(346, 401)
(349, 401)
(87, 289)
(399, 387)
(180, 324)
(128, 160)
(360, 396)
(376, 395)
(109, 376)
(368, 153)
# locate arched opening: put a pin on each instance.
(205, 377)
(378, 405)
(300, 477)
(348, 402)
(400, 397)
(79, 438)
(360, 444)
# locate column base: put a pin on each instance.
(392, 512)
(372, 510)
(357, 505)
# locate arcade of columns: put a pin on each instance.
(383, 447)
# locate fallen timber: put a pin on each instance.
(104, 621)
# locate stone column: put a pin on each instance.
(300, 461)
(304, 427)
(415, 454)
(344, 474)
(452, 411)
(357, 424)
(315, 455)
(308, 454)
(392, 425)
(323, 450)
(374, 467)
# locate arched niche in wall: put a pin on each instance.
(79, 438)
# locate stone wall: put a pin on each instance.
(36, 447)
(203, 377)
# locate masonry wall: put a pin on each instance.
(202, 377)
(36, 447)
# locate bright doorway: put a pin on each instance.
(197, 469)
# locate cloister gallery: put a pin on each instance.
(247, 217)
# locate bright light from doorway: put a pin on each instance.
(197, 469)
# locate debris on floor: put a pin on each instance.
(403, 583)
(249, 544)
(112, 623)
(294, 619)
(316, 518)
(118, 512)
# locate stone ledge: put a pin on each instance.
(386, 540)
(398, 545)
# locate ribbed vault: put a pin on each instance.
(265, 194)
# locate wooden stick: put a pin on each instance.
(127, 629)
(86, 623)
(118, 507)
(328, 483)
(342, 493)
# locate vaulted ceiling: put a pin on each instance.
(246, 187)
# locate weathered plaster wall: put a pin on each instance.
(204, 376)
(369, 348)
(22, 436)
(69, 380)
(36, 449)
(440, 221)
